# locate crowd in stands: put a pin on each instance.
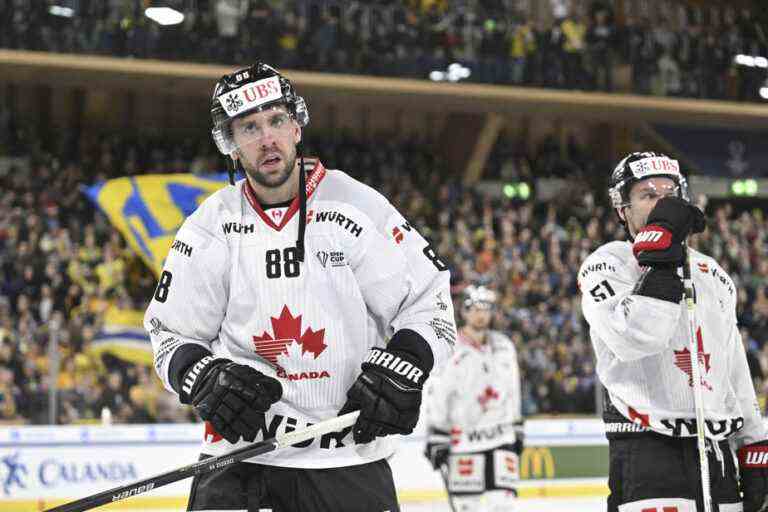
(572, 45)
(62, 264)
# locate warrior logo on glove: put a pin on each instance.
(388, 391)
(395, 363)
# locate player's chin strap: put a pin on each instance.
(302, 203)
(233, 168)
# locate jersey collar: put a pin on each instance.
(472, 343)
(316, 174)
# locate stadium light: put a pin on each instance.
(454, 73)
(750, 61)
(164, 15)
(517, 190)
(744, 188)
(437, 76)
(457, 72)
(64, 12)
(524, 190)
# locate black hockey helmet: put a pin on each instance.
(639, 166)
(252, 89)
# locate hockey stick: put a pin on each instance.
(444, 475)
(698, 398)
(209, 465)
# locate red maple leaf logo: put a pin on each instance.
(287, 329)
(277, 214)
(683, 360)
(488, 395)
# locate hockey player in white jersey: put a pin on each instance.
(473, 413)
(294, 295)
(632, 298)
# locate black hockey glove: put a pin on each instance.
(660, 242)
(388, 392)
(438, 447)
(753, 468)
(660, 283)
(231, 396)
(659, 246)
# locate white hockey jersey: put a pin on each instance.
(643, 359)
(232, 283)
(476, 395)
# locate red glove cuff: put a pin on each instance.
(753, 456)
(652, 238)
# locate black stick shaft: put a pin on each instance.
(208, 465)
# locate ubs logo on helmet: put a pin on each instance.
(654, 165)
(233, 103)
(251, 95)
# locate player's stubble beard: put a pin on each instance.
(479, 325)
(276, 181)
(634, 226)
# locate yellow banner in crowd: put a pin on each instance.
(149, 209)
(123, 336)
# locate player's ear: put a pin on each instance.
(622, 215)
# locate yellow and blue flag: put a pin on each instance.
(123, 336)
(148, 210)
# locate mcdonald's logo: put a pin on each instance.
(537, 462)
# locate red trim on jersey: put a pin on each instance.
(314, 178)
(468, 340)
(643, 419)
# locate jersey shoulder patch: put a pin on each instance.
(607, 259)
(342, 188)
(500, 341)
(216, 209)
(703, 265)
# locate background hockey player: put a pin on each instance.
(631, 297)
(474, 412)
(301, 294)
